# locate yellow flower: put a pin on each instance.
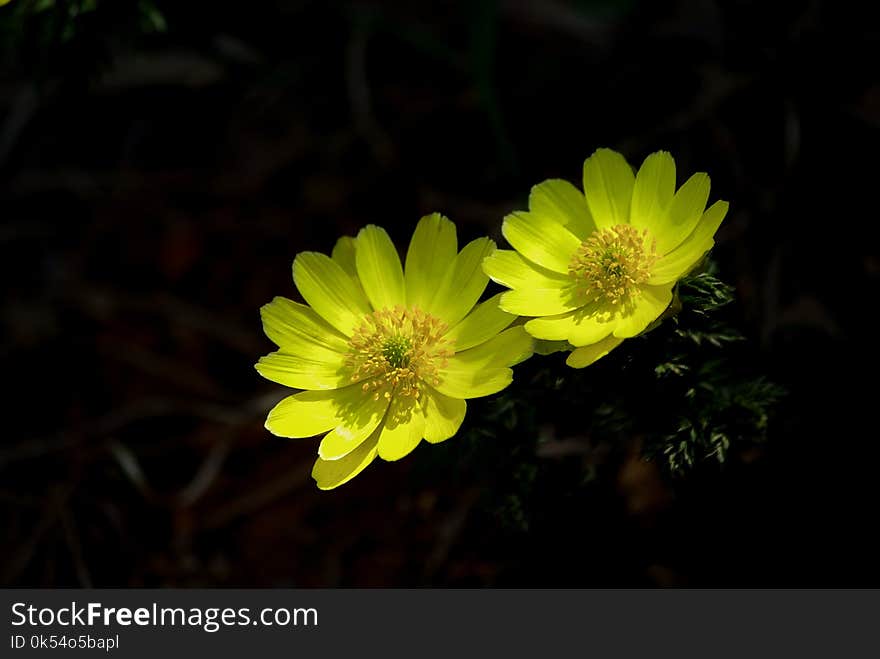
(386, 355)
(598, 267)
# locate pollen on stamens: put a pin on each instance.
(396, 350)
(612, 263)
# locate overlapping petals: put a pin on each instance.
(596, 267)
(387, 355)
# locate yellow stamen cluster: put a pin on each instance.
(612, 263)
(394, 350)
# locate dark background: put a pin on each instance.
(162, 163)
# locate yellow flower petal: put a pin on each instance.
(543, 347)
(330, 291)
(540, 301)
(679, 262)
(462, 380)
(510, 269)
(608, 185)
(653, 191)
(409, 343)
(463, 283)
(329, 474)
(443, 415)
(311, 413)
(319, 369)
(541, 240)
(403, 428)
(592, 328)
(431, 254)
(485, 321)
(551, 328)
(379, 269)
(684, 213)
(586, 325)
(297, 328)
(482, 371)
(344, 254)
(561, 202)
(509, 348)
(357, 423)
(586, 355)
(648, 304)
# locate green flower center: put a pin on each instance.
(612, 263)
(395, 350)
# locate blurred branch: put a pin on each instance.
(21, 557)
(560, 17)
(76, 549)
(137, 411)
(259, 497)
(105, 302)
(145, 69)
(204, 476)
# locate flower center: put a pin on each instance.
(612, 263)
(395, 350)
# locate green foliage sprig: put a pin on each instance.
(689, 394)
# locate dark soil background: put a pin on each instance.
(161, 164)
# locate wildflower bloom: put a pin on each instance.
(386, 355)
(596, 267)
